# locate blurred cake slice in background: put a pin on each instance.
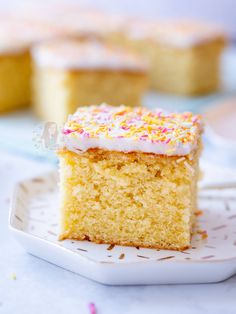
(15, 74)
(129, 176)
(16, 40)
(184, 55)
(73, 19)
(68, 74)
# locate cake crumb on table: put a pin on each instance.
(203, 234)
(13, 276)
(198, 213)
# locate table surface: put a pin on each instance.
(40, 287)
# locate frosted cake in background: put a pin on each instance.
(129, 176)
(72, 19)
(184, 55)
(16, 39)
(68, 74)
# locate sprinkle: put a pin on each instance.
(92, 308)
(195, 119)
(138, 124)
(66, 131)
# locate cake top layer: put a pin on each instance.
(176, 33)
(91, 24)
(72, 18)
(18, 35)
(70, 54)
(132, 129)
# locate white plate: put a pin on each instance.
(34, 222)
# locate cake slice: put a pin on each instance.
(184, 55)
(68, 74)
(16, 39)
(129, 176)
(15, 69)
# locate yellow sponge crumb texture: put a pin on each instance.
(58, 93)
(136, 199)
(15, 76)
(184, 71)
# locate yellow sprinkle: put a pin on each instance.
(13, 276)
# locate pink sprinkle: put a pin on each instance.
(92, 308)
(167, 141)
(125, 128)
(142, 138)
(67, 131)
(164, 130)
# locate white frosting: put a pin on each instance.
(91, 23)
(132, 129)
(8, 46)
(10, 43)
(127, 145)
(72, 18)
(179, 34)
(70, 54)
(17, 36)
